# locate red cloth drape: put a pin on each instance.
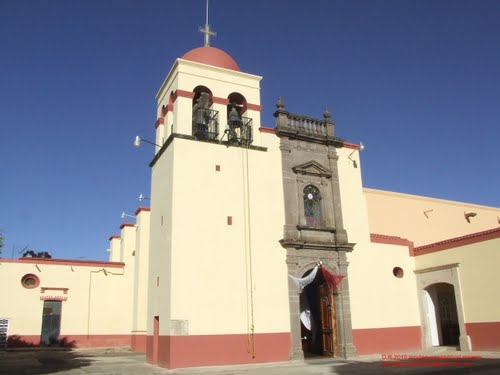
(332, 279)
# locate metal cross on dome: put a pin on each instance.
(206, 29)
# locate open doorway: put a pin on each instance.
(318, 318)
(442, 315)
(156, 337)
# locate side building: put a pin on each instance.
(74, 303)
(456, 249)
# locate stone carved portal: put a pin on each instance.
(313, 230)
(330, 333)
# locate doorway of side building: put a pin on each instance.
(51, 323)
(156, 337)
(318, 318)
(442, 315)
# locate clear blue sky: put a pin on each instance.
(417, 81)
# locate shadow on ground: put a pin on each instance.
(418, 366)
(39, 362)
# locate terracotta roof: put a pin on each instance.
(459, 241)
(211, 56)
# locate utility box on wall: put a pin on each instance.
(4, 333)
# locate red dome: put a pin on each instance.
(211, 56)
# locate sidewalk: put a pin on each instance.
(368, 364)
(115, 362)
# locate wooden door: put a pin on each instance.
(328, 320)
(51, 323)
(450, 331)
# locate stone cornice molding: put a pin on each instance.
(309, 245)
(172, 136)
(312, 168)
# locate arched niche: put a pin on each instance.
(198, 90)
(429, 280)
(237, 101)
(205, 121)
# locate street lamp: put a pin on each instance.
(142, 197)
(138, 140)
(124, 215)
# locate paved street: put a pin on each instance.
(39, 362)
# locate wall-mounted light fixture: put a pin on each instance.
(138, 140)
(142, 197)
(124, 215)
(468, 215)
(360, 147)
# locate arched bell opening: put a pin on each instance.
(239, 127)
(204, 91)
(442, 315)
(238, 102)
(318, 318)
(205, 119)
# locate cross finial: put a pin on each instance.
(206, 29)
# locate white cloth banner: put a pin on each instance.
(305, 312)
(301, 283)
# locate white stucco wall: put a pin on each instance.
(378, 299)
(160, 242)
(141, 266)
(425, 220)
(93, 299)
(212, 262)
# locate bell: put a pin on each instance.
(234, 120)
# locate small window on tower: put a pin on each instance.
(312, 205)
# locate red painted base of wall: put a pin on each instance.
(24, 341)
(138, 343)
(72, 341)
(149, 350)
(484, 336)
(214, 350)
(387, 340)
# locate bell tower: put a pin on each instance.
(211, 240)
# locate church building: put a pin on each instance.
(262, 245)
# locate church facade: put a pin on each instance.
(261, 244)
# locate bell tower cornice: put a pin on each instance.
(181, 66)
